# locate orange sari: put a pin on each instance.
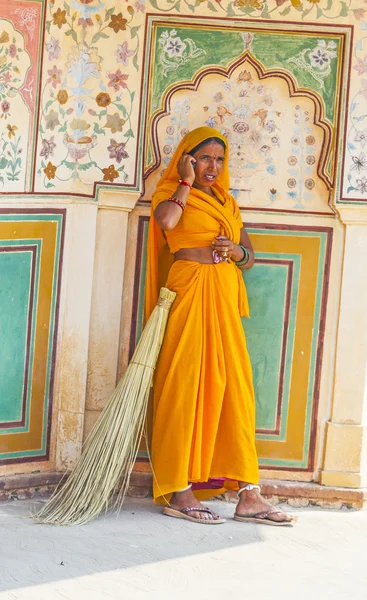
(204, 409)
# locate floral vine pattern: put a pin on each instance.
(357, 135)
(273, 140)
(179, 51)
(302, 160)
(86, 105)
(88, 114)
(316, 61)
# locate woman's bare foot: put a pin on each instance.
(251, 503)
(186, 500)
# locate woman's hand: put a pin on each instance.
(185, 167)
(226, 248)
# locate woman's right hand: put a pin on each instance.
(185, 167)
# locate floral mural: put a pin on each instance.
(14, 64)
(274, 143)
(86, 127)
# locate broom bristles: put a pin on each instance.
(110, 451)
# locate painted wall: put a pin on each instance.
(94, 96)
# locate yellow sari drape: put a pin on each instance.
(204, 410)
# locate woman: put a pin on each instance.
(204, 409)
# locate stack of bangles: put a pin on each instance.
(246, 257)
(177, 200)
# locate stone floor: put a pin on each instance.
(142, 554)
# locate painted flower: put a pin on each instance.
(170, 130)
(59, 18)
(310, 160)
(291, 183)
(54, 76)
(167, 149)
(81, 70)
(175, 47)
(255, 136)
(309, 183)
(241, 127)
(268, 100)
(275, 140)
(12, 50)
(85, 22)
(5, 106)
(244, 76)
(123, 54)
(218, 97)
(7, 77)
(359, 13)
(53, 48)
(251, 3)
(117, 23)
(184, 131)
(52, 120)
(110, 173)
(114, 122)
(103, 99)
(361, 137)
(48, 147)
(241, 111)
(139, 6)
(294, 3)
(117, 80)
(295, 140)
(310, 140)
(247, 38)
(50, 171)
(211, 122)
(292, 160)
(361, 66)
(270, 126)
(362, 185)
(79, 125)
(11, 130)
(62, 96)
(117, 150)
(359, 163)
(319, 58)
(4, 37)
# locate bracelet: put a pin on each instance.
(246, 257)
(183, 182)
(177, 201)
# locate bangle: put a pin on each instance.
(183, 182)
(177, 201)
(245, 259)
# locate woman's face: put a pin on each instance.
(209, 164)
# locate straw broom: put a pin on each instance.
(109, 454)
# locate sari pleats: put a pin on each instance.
(204, 409)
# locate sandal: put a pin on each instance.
(183, 514)
(263, 517)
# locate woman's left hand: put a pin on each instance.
(225, 247)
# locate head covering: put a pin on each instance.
(159, 257)
(169, 180)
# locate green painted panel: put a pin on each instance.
(274, 50)
(195, 48)
(220, 48)
(15, 279)
(266, 286)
